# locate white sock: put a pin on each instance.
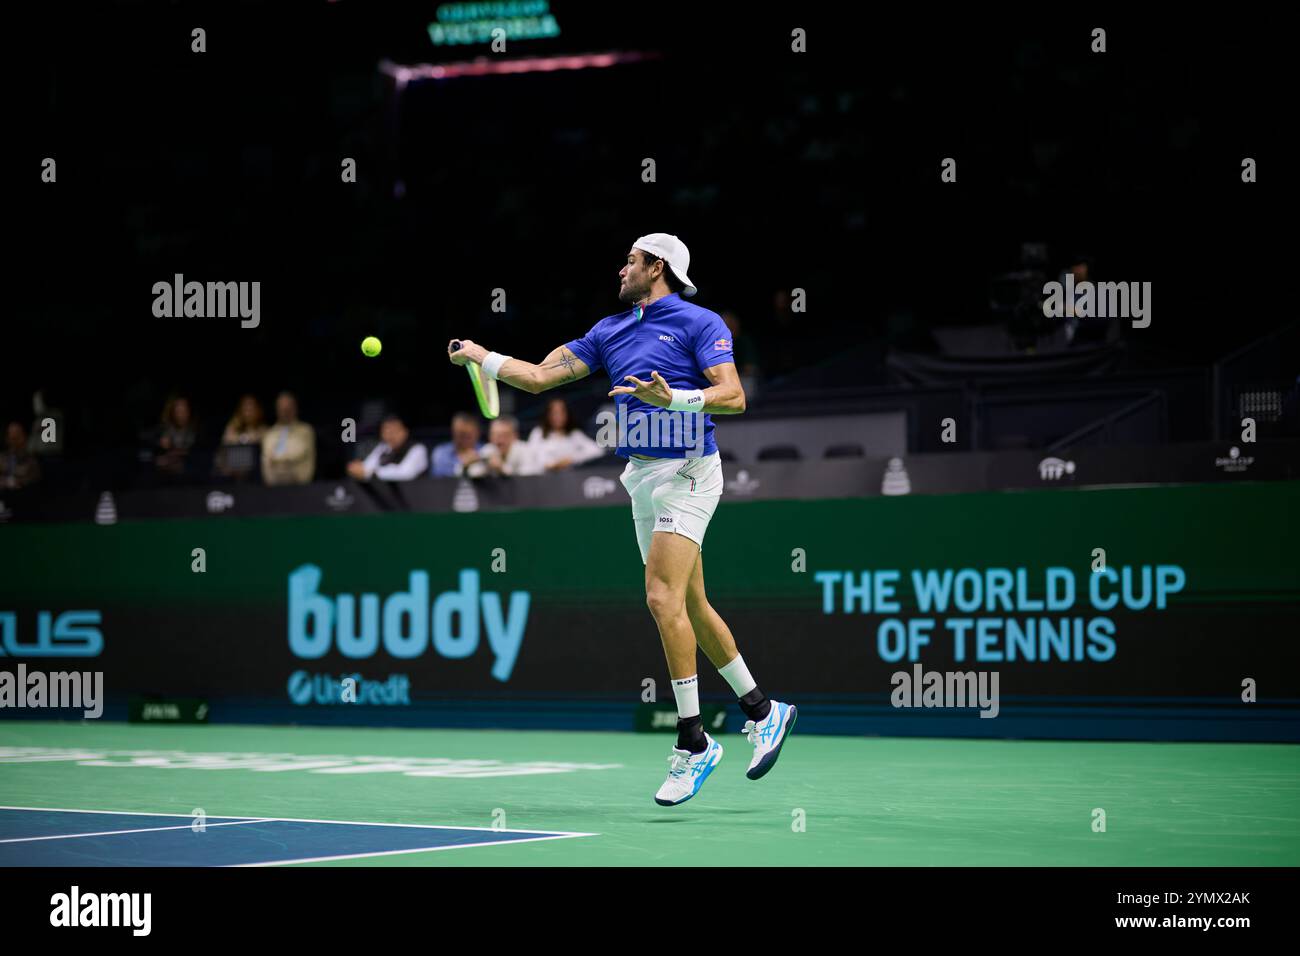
(736, 674)
(687, 692)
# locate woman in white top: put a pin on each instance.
(558, 443)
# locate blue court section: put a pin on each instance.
(63, 838)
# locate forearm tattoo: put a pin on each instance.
(569, 361)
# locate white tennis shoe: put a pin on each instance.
(687, 773)
(768, 735)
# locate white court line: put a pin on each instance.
(548, 834)
(126, 813)
(425, 849)
(73, 836)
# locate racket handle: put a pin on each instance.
(455, 345)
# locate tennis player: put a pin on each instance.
(675, 361)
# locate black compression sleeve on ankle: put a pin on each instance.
(690, 734)
(755, 705)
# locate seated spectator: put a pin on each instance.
(1082, 327)
(395, 458)
(507, 455)
(464, 454)
(175, 437)
(18, 466)
(558, 443)
(289, 446)
(246, 427)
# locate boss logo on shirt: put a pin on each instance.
(666, 338)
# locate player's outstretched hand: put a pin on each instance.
(468, 352)
(656, 392)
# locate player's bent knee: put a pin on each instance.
(663, 600)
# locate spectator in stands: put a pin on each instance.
(1083, 329)
(558, 443)
(175, 436)
(289, 446)
(247, 427)
(395, 458)
(18, 466)
(507, 455)
(464, 454)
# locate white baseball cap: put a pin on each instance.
(672, 251)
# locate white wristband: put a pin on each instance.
(492, 363)
(687, 400)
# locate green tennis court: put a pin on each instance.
(551, 798)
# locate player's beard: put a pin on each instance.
(630, 294)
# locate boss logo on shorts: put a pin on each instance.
(664, 523)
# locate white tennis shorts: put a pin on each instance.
(676, 495)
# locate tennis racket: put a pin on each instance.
(485, 389)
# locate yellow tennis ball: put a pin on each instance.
(370, 346)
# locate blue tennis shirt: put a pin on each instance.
(679, 341)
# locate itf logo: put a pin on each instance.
(1052, 469)
(406, 622)
(71, 634)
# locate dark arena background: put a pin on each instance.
(976, 452)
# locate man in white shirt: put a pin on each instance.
(507, 455)
(395, 458)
